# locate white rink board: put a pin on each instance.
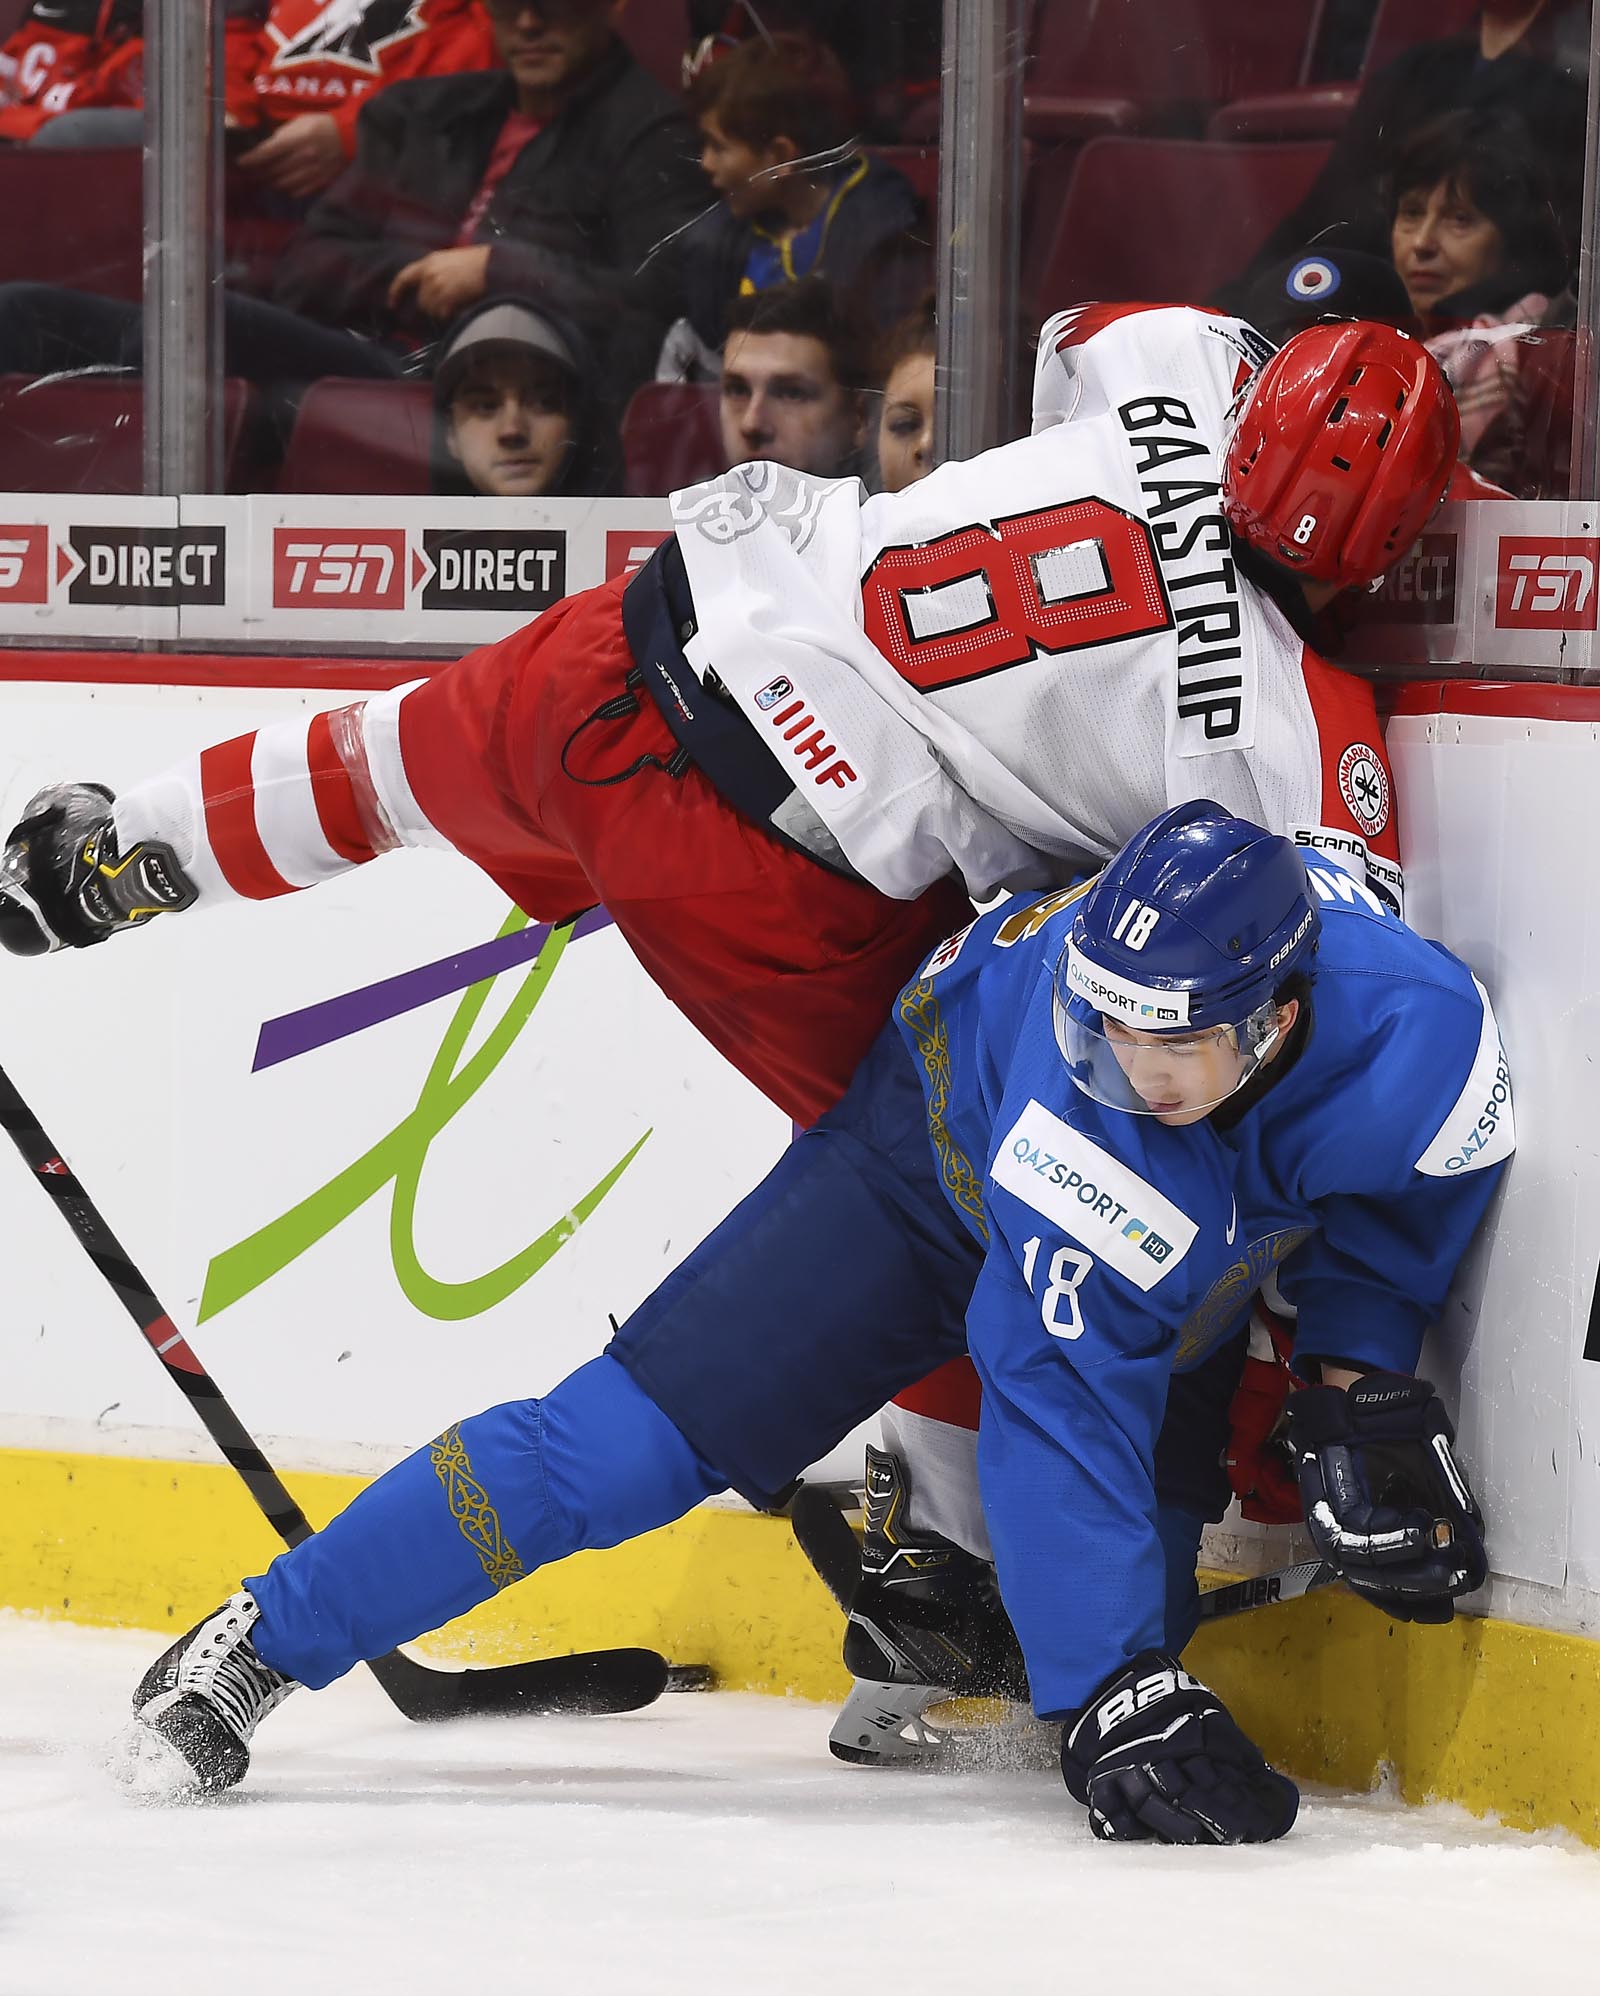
(1497, 815)
(137, 1057)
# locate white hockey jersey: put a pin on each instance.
(1012, 665)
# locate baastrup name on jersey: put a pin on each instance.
(1196, 556)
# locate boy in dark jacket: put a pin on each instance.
(797, 197)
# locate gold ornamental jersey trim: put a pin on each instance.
(924, 1018)
(474, 1514)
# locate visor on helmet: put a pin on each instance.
(1133, 1048)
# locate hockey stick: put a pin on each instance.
(826, 1539)
(1288, 1583)
(607, 1680)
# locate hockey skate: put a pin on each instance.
(926, 1626)
(196, 1708)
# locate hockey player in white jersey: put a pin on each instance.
(785, 752)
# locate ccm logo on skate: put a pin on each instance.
(1545, 583)
(799, 728)
(338, 571)
(1138, 1697)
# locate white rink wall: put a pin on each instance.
(138, 1059)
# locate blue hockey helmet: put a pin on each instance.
(1186, 935)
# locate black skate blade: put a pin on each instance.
(591, 1683)
(691, 1677)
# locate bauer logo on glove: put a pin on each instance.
(1386, 1501)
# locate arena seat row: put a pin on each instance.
(85, 433)
(1317, 110)
(1138, 218)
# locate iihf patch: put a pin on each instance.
(948, 951)
(1364, 786)
(1313, 277)
(774, 691)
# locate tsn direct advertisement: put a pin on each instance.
(342, 574)
(331, 573)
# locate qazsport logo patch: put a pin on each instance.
(1091, 1195)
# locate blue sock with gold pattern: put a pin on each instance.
(592, 1463)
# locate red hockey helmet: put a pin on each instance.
(1342, 449)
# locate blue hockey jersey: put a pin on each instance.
(1118, 1249)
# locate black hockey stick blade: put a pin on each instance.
(823, 1534)
(1262, 1590)
(592, 1682)
(617, 1680)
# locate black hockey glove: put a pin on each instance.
(1386, 1500)
(1154, 1754)
(64, 884)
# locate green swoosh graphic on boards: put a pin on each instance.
(399, 1158)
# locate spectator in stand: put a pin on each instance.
(513, 396)
(553, 179)
(1527, 57)
(794, 382)
(68, 55)
(905, 421)
(1477, 244)
(297, 73)
(795, 196)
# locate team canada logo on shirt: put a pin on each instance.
(350, 31)
(1364, 786)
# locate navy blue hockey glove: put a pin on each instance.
(1154, 1754)
(1386, 1501)
(63, 882)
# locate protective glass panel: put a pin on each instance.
(71, 250)
(516, 276)
(1417, 161)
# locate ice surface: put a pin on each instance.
(708, 1845)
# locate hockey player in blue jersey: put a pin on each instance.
(1093, 1126)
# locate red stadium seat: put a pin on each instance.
(361, 436)
(1102, 66)
(670, 437)
(1316, 113)
(657, 34)
(919, 164)
(1168, 219)
(85, 433)
(77, 218)
(1320, 111)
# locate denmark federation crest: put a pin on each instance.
(1364, 786)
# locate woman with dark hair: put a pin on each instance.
(905, 421)
(1472, 220)
(1477, 243)
(515, 413)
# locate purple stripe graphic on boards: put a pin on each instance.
(295, 1033)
